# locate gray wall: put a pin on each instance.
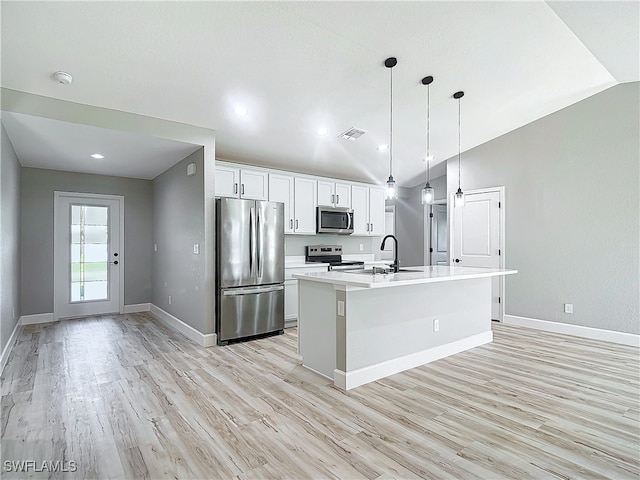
(9, 240)
(37, 190)
(572, 221)
(409, 225)
(179, 223)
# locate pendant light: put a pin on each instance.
(459, 198)
(392, 189)
(427, 192)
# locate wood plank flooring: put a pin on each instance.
(124, 397)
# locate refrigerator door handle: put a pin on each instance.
(260, 243)
(252, 241)
(252, 290)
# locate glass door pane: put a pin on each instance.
(89, 253)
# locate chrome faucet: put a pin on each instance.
(395, 266)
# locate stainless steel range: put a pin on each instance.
(331, 254)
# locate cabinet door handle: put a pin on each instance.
(242, 190)
(367, 227)
(235, 188)
(333, 198)
(291, 223)
(337, 198)
(296, 224)
(372, 227)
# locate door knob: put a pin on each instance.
(114, 263)
(457, 260)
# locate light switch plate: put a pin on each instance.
(568, 308)
(341, 308)
(196, 249)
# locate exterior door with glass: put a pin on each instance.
(88, 241)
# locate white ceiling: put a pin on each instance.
(297, 66)
(45, 143)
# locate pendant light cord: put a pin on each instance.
(391, 126)
(459, 144)
(428, 159)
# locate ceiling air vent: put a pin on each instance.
(352, 133)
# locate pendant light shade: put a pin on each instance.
(428, 194)
(459, 198)
(427, 191)
(392, 189)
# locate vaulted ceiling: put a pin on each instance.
(300, 66)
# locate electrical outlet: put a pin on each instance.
(361, 246)
(196, 249)
(169, 299)
(341, 308)
(155, 247)
(568, 308)
(436, 325)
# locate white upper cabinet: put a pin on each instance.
(343, 195)
(360, 206)
(334, 194)
(254, 185)
(376, 211)
(241, 183)
(227, 181)
(281, 188)
(368, 210)
(304, 205)
(302, 194)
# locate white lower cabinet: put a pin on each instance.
(291, 292)
(290, 303)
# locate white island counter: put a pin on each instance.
(356, 328)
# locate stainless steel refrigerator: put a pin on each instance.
(249, 268)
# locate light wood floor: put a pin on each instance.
(124, 397)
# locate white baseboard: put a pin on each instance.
(575, 330)
(37, 318)
(6, 351)
(137, 307)
(355, 378)
(206, 340)
(290, 322)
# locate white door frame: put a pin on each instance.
(427, 228)
(503, 249)
(56, 225)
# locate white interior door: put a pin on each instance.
(439, 235)
(477, 238)
(88, 241)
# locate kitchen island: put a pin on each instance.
(356, 327)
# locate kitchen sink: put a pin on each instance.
(381, 271)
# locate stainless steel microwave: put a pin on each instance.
(336, 220)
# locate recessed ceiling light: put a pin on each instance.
(241, 111)
(383, 148)
(322, 131)
(97, 156)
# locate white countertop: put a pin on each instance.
(418, 275)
